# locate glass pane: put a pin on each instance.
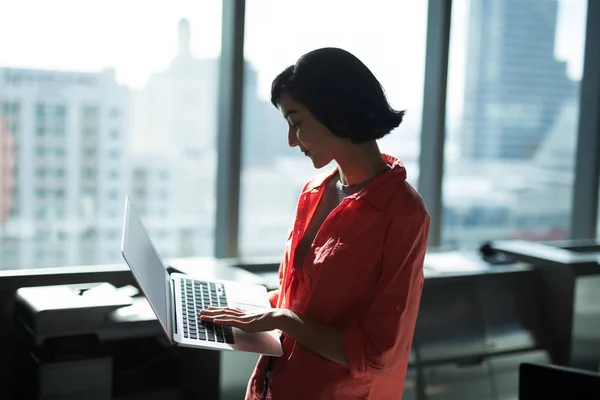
(108, 99)
(512, 118)
(387, 35)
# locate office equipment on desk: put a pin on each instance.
(65, 310)
(460, 263)
(570, 274)
(494, 257)
(177, 299)
(58, 354)
(581, 256)
(548, 382)
(88, 341)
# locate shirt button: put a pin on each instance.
(399, 307)
(351, 258)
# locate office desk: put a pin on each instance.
(201, 367)
(496, 316)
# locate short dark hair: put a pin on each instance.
(341, 92)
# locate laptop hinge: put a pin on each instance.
(173, 307)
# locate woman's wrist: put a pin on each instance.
(287, 319)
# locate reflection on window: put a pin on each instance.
(113, 129)
(512, 117)
(272, 173)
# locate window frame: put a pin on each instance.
(584, 216)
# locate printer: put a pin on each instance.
(74, 340)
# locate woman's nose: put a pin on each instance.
(292, 138)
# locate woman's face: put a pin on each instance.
(304, 131)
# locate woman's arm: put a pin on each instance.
(383, 341)
(323, 340)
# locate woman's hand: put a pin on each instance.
(248, 321)
(326, 341)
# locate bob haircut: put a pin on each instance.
(341, 92)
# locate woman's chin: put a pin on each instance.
(317, 162)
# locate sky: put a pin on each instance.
(139, 37)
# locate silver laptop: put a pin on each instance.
(177, 298)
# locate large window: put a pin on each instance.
(102, 99)
(512, 117)
(99, 99)
(388, 36)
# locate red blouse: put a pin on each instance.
(364, 275)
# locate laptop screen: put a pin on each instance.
(146, 265)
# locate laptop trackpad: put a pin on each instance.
(250, 307)
(248, 297)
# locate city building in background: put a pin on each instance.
(74, 144)
(7, 161)
(155, 193)
(515, 87)
(175, 123)
(175, 113)
(516, 144)
(70, 173)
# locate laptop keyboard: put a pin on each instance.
(196, 296)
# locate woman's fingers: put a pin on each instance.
(237, 311)
(247, 321)
(224, 316)
(212, 311)
(230, 321)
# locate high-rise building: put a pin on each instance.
(175, 114)
(156, 191)
(515, 87)
(70, 171)
(7, 163)
(174, 120)
(175, 123)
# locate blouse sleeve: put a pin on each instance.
(383, 341)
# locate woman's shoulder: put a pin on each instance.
(407, 202)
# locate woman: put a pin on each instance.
(352, 273)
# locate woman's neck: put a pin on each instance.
(359, 163)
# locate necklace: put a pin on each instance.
(341, 186)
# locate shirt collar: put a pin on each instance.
(377, 192)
